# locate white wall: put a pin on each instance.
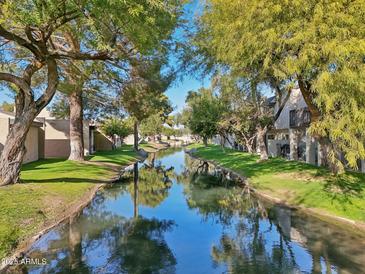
(295, 101)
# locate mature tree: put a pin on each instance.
(116, 127)
(33, 32)
(143, 96)
(318, 44)
(205, 113)
(248, 114)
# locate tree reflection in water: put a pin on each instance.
(150, 186)
(220, 226)
(104, 242)
(248, 245)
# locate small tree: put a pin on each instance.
(205, 113)
(169, 131)
(152, 126)
(114, 127)
(5, 106)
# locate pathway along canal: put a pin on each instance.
(164, 217)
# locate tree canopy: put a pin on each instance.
(318, 45)
(205, 110)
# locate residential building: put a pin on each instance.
(290, 137)
(34, 141)
(57, 136)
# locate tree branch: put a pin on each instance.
(282, 105)
(20, 41)
(52, 82)
(104, 55)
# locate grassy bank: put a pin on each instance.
(49, 189)
(296, 183)
(153, 147)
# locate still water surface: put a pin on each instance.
(165, 217)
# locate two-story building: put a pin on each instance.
(290, 137)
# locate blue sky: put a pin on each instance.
(179, 90)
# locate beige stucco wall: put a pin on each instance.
(102, 142)
(57, 138)
(129, 140)
(31, 145)
(31, 141)
(4, 130)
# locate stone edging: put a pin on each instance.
(339, 221)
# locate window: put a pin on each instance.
(292, 118)
(299, 118)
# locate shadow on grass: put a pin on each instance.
(64, 180)
(39, 163)
(249, 164)
(346, 186)
(341, 188)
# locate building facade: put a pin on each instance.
(290, 137)
(34, 141)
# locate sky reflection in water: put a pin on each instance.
(169, 219)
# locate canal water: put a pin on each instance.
(173, 214)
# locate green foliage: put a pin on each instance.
(8, 107)
(116, 127)
(142, 96)
(152, 126)
(317, 43)
(60, 107)
(205, 113)
(143, 22)
(245, 108)
(169, 131)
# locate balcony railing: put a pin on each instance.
(299, 118)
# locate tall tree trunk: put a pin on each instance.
(205, 141)
(135, 133)
(76, 126)
(326, 150)
(261, 141)
(222, 141)
(14, 149)
(249, 143)
(249, 147)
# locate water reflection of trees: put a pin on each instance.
(247, 250)
(249, 246)
(103, 242)
(150, 185)
(213, 195)
(259, 245)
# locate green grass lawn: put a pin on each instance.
(120, 156)
(153, 147)
(296, 183)
(50, 187)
